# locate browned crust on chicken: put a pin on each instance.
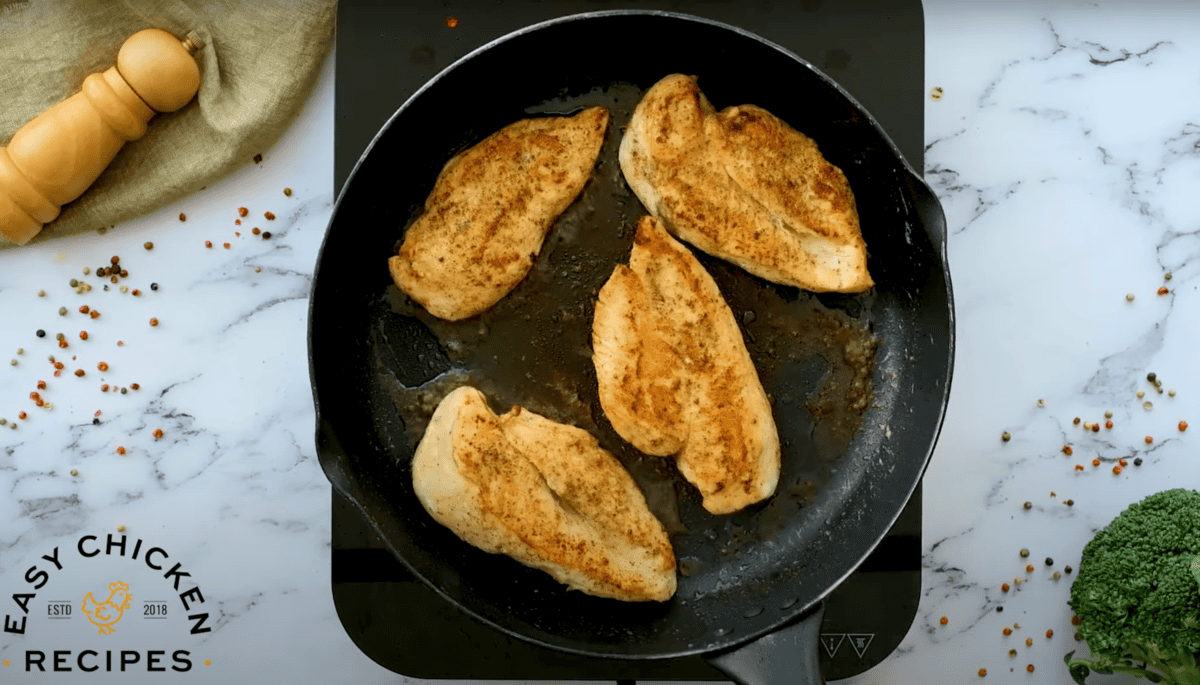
(673, 370)
(490, 210)
(743, 185)
(545, 494)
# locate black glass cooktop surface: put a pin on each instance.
(385, 52)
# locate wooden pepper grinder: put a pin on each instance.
(55, 157)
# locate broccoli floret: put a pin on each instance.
(1137, 594)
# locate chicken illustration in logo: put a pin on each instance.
(104, 615)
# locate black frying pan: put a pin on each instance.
(751, 583)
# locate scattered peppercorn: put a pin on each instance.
(1074, 620)
(158, 432)
(1003, 436)
(242, 211)
(1029, 668)
(79, 372)
(1057, 575)
(257, 159)
(1149, 439)
(1171, 393)
(208, 243)
(123, 390)
(21, 415)
(62, 311)
(1028, 642)
(41, 385)
(1012, 652)
(1007, 631)
(41, 293)
(137, 293)
(74, 472)
(1076, 421)
(226, 246)
(1066, 569)
(1129, 297)
(182, 216)
(1137, 461)
(95, 422)
(1122, 462)
(1116, 470)
(1029, 568)
(945, 620)
(1067, 450)
(1095, 462)
(154, 286)
(83, 335)
(120, 450)
(58, 365)
(1004, 587)
(148, 245)
(1182, 426)
(1108, 424)
(1024, 552)
(1163, 290)
(256, 230)
(95, 314)
(1095, 428)
(269, 215)
(1049, 561)
(41, 333)
(103, 366)
(999, 609)
(120, 343)
(1079, 467)
(1140, 394)
(134, 386)
(982, 672)
(121, 529)
(287, 191)
(153, 322)
(1028, 505)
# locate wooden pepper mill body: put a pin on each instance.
(54, 158)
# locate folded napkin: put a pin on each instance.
(257, 67)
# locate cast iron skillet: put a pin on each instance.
(751, 584)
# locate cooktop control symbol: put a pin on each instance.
(831, 642)
(860, 642)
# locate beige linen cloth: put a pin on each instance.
(258, 65)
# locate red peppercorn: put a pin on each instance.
(158, 432)
(120, 343)
(34, 396)
(287, 191)
(153, 322)
(39, 402)
(1074, 620)
(1049, 633)
(182, 216)
(1007, 631)
(1149, 439)
(120, 450)
(134, 386)
(103, 366)
(58, 365)
(1108, 424)
(104, 388)
(1095, 462)
(451, 22)
(237, 222)
(1095, 428)
(1163, 290)
(1029, 668)
(1067, 450)
(982, 672)
(255, 230)
(1122, 462)
(1079, 467)
(22, 415)
(1182, 426)
(208, 243)
(1004, 587)
(84, 309)
(136, 292)
(1029, 568)
(79, 372)
(115, 260)
(95, 314)
(62, 344)
(242, 211)
(1116, 470)
(270, 216)
(41, 385)
(945, 620)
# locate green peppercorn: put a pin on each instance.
(1028, 505)
(1024, 552)
(62, 311)
(1005, 436)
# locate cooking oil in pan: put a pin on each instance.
(814, 354)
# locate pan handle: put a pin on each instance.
(789, 655)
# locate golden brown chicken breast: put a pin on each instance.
(742, 185)
(675, 377)
(490, 210)
(545, 494)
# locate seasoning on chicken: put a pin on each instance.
(743, 185)
(490, 210)
(545, 494)
(675, 377)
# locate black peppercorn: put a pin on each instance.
(1049, 561)
(95, 422)
(999, 609)
(154, 286)
(1137, 461)
(41, 333)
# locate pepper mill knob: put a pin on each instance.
(54, 158)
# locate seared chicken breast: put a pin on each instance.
(675, 377)
(490, 210)
(545, 494)
(743, 185)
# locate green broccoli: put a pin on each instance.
(1137, 594)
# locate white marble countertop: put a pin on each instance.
(1065, 149)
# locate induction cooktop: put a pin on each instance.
(385, 52)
